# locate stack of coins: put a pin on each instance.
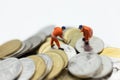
(34, 59)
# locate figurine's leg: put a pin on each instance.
(58, 44)
(52, 40)
(86, 41)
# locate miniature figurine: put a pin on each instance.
(58, 31)
(87, 33)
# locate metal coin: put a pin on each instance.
(46, 46)
(69, 50)
(111, 52)
(116, 62)
(58, 65)
(48, 62)
(115, 75)
(10, 69)
(41, 35)
(65, 75)
(62, 54)
(84, 65)
(72, 35)
(14, 54)
(96, 45)
(40, 67)
(27, 48)
(10, 47)
(28, 69)
(35, 40)
(116, 69)
(106, 67)
(43, 47)
(47, 30)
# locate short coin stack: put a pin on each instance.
(34, 59)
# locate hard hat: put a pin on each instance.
(80, 26)
(63, 27)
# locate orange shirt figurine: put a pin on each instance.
(58, 31)
(87, 33)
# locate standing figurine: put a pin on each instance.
(87, 33)
(58, 31)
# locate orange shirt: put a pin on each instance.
(57, 32)
(87, 32)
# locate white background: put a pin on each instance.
(22, 18)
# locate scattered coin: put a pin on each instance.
(47, 30)
(27, 48)
(115, 75)
(62, 54)
(41, 35)
(48, 62)
(96, 45)
(116, 69)
(58, 65)
(35, 40)
(43, 47)
(106, 67)
(69, 50)
(65, 75)
(17, 52)
(46, 46)
(111, 52)
(72, 35)
(28, 69)
(40, 67)
(10, 47)
(10, 69)
(84, 65)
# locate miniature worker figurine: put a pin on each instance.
(87, 33)
(58, 31)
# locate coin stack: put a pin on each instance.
(34, 59)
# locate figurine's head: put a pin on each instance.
(63, 27)
(80, 26)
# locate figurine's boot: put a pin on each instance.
(83, 39)
(61, 48)
(52, 45)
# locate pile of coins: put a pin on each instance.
(34, 59)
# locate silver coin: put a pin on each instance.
(28, 69)
(84, 65)
(116, 69)
(42, 35)
(21, 49)
(48, 62)
(10, 69)
(96, 45)
(115, 75)
(48, 30)
(27, 48)
(35, 40)
(106, 67)
(69, 50)
(116, 62)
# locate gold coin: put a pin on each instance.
(46, 46)
(65, 75)
(40, 67)
(72, 35)
(58, 65)
(10, 47)
(43, 46)
(61, 53)
(111, 52)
